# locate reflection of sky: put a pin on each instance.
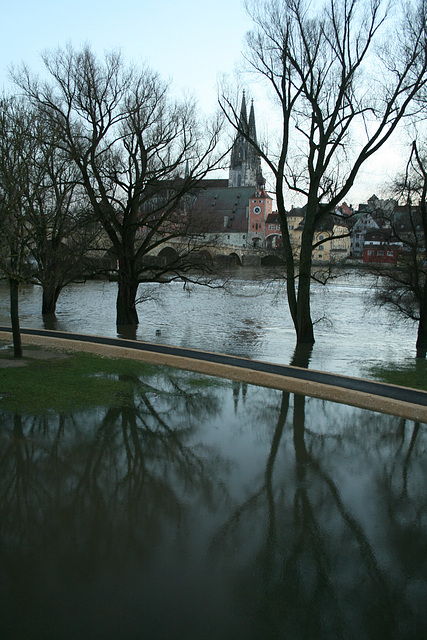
(205, 507)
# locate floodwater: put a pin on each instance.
(213, 510)
(209, 509)
(247, 317)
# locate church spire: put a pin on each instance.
(245, 165)
(252, 127)
(243, 121)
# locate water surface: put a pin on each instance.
(248, 317)
(202, 508)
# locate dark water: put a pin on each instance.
(214, 510)
(203, 508)
(249, 317)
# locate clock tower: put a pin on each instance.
(260, 206)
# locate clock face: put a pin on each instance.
(257, 210)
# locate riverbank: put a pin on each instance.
(390, 399)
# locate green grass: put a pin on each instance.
(411, 375)
(80, 381)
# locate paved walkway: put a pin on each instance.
(377, 396)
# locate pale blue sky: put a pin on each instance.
(191, 42)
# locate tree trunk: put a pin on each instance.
(126, 295)
(421, 344)
(50, 297)
(14, 317)
(304, 323)
(304, 329)
(299, 305)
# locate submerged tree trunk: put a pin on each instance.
(421, 344)
(298, 301)
(304, 328)
(304, 324)
(14, 317)
(299, 306)
(126, 295)
(50, 297)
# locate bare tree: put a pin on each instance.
(16, 150)
(404, 288)
(132, 145)
(340, 95)
(59, 226)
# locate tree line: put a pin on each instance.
(98, 148)
(103, 145)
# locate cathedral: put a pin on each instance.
(245, 165)
(239, 211)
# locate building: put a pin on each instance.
(245, 164)
(363, 222)
(236, 213)
(273, 231)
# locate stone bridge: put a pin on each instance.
(229, 254)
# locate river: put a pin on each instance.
(196, 507)
(247, 317)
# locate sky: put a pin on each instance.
(192, 43)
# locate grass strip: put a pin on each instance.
(79, 381)
(412, 375)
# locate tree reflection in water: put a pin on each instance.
(325, 565)
(212, 511)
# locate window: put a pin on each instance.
(370, 252)
(380, 253)
(390, 254)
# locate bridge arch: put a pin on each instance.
(167, 256)
(272, 260)
(274, 241)
(234, 259)
(202, 257)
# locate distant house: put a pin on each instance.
(295, 218)
(273, 232)
(331, 241)
(344, 210)
(363, 221)
(381, 247)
